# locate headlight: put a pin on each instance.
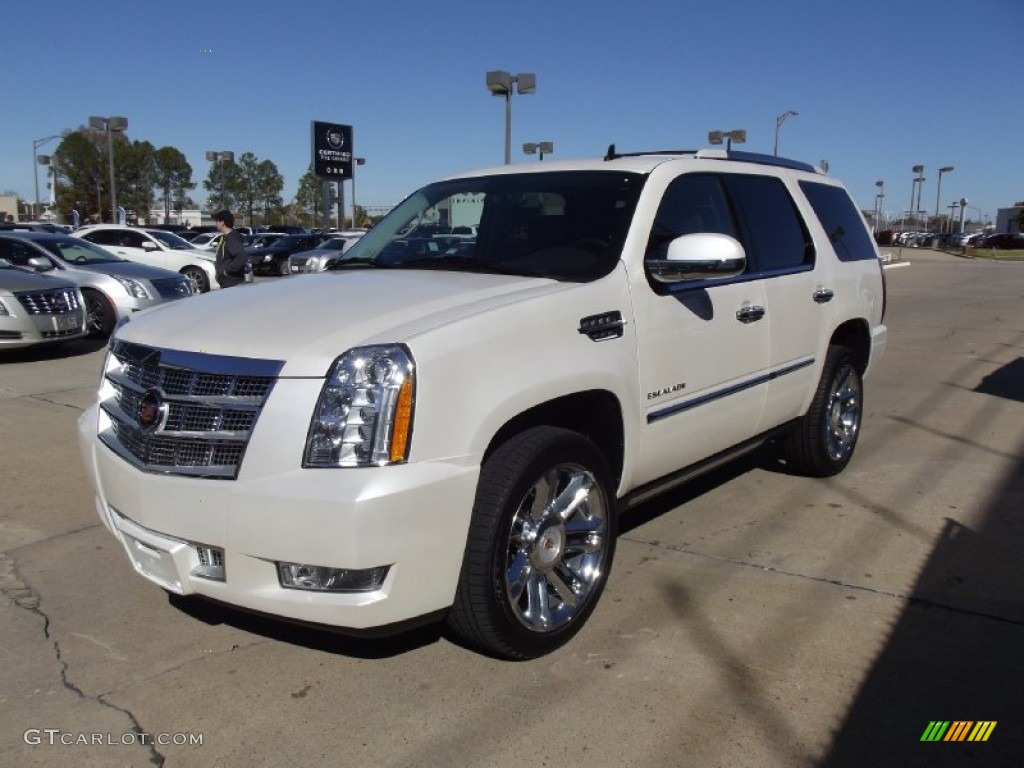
(3, 309)
(364, 414)
(134, 287)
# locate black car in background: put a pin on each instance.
(1003, 241)
(272, 259)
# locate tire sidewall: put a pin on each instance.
(563, 447)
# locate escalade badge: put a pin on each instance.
(152, 411)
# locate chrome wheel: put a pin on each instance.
(197, 279)
(556, 547)
(540, 545)
(843, 413)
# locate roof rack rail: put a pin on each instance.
(782, 162)
(721, 154)
(612, 154)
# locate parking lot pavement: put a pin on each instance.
(751, 618)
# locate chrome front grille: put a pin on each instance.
(183, 413)
(57, 301)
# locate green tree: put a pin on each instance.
(135, 171)
(269, 185)
(173, 176)
(81, 174)
(309, 196)
(224, 183)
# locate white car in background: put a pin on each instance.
(156, 248)
(207, 241)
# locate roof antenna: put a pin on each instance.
(611, 153)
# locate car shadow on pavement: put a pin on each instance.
(76, 348)
(953, 655)
(312, 636)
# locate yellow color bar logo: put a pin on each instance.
(958, 730)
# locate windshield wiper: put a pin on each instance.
(358, 262)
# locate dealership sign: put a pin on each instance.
(332, 151)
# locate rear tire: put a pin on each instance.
(540, 545)
(823, 441)
(197, 277)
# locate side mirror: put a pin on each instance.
(149, 245)
(41, 264)
(699, 256)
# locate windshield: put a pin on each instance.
(170, 239)
(566, 225)
(74, 250)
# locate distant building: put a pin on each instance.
(1008, 219)
(8, 208)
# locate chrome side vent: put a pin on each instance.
(607, 325)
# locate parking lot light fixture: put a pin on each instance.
(220, 157)
(914, 194)
(502, 83)
(539, 148)
(739, 135)
(778, 124)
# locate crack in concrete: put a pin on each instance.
(13, 586)
(56, 536)
(911, 599)
(42, 399)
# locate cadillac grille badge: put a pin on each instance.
(152, 412)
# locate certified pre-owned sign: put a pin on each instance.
(332, 150)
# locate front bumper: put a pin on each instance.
(20, 330)
(412, 518)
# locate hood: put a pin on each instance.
(199, 254)
(14, 279)
(126, 269)
(308, 321)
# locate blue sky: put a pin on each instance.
(880, 85)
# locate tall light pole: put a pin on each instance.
(36, 144)
(220, 158)
(778, 124)
(109, 125)
(945, 169)
(879, 197)
(355, 161)
(502, 83)
(918, 170)
(540, 148)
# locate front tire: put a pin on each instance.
(284, 268)
(197, 277)
(100, 316)
(823, 441)
(540, 545)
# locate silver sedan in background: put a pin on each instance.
(317, 259)
(112, 287)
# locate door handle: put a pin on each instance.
(823, 295)
(750, 314)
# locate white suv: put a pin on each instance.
(453, 428)
(157, 248)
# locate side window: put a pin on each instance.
(777, 237)
(841, 221)
(18, 253)
(692, 203)
(131, 239)
(5, 250)
(102, 237)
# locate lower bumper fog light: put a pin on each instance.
(322, 579)
(211, 563)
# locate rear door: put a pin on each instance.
(797, 313)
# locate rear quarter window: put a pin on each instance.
(841, 221)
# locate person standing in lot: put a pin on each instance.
(232, 263)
